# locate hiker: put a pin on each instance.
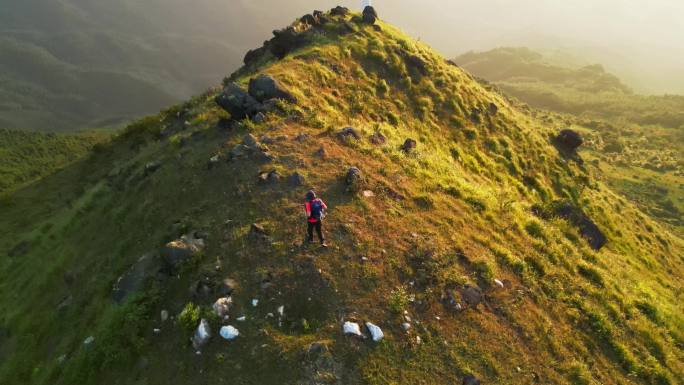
(315, 211)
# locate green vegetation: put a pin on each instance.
(635, 142)
(28, 156)
(456, 210)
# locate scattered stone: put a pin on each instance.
(241, 318)
(226, 287)
(309, 19)
(470, 379)
(317, 348)
(378, 139)
(321, 153)
(238, 103)
(406, 326)
(222, 306)
(472, 295)
(229, 333)
(369, 16)
(493, 108)
(375, 332)
(200, 290)
(255, 302)
(353, 176)
(239, 151)
(409, 145)
(475, 116)
(250, 141)
(302, 137)
(569, 140)
(269, 177)
(164, 315)
(418, 340)
(281, 310)
(296, 179)
(348, 133)
(156, 330)
(88, 341)
(259, 118)
(257, 232)
(368, 194)
(265, 87)
(213, 161)
(339, 11)
(202, 335)
(352, 328)
(151, 167)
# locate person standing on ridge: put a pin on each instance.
(315, 211)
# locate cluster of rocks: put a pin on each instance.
(251, 148)
(159, 265)
(260, 98)
(353, 329)
(293, 37)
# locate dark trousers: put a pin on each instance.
(319, 230)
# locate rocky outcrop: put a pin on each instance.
(339, 11)
(237, 102)
(265, 87)
(182, 249)
(369, 15)
(569, 140)
(576, 216)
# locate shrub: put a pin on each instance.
(398, 300)
(189, 318)
(535, 229)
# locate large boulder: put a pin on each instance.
(182, 249)
(285, 41)
(135, 277)
(265, 87)
(369, 16)
(588, 229)
(569, 140)
(471, 295)
(353, 176)
(238, 103)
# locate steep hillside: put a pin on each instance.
(28, 156)
(469, 209)
(638, 139)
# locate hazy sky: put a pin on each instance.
(643, 41)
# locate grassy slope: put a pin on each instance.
(27, 156)
(569, 315)
(637, 139)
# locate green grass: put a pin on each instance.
(73, 233)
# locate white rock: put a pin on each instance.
(499, 283)
(255, 302)
(241, 318)
(156, 330)
(368, 193)
(281, 310)
(222, 306)
(418, 340)
(202, 334)
(375, 331)
(352, 328)
(89, 340)
(164, 315)
(229, 332)
(406, 326)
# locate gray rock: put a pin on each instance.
(369, 16)
(569, 140)
(269, 177)
(226, 287)
(493, 108)
(259, 118)
(321, 153)
(181, 250)
(239, 151)
(378, 139)
(202, 335)
(151, 167)
(475, 116)
(135, 277)
(339, 11)
(353, 176)
(470, 379)
(317, 348)
(409, 145)
(473, 296)
(250, 141)
(297, 179)
(348, 133)
(238, 103)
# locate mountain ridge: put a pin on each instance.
(450, 210)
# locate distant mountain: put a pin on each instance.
(71, 64)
